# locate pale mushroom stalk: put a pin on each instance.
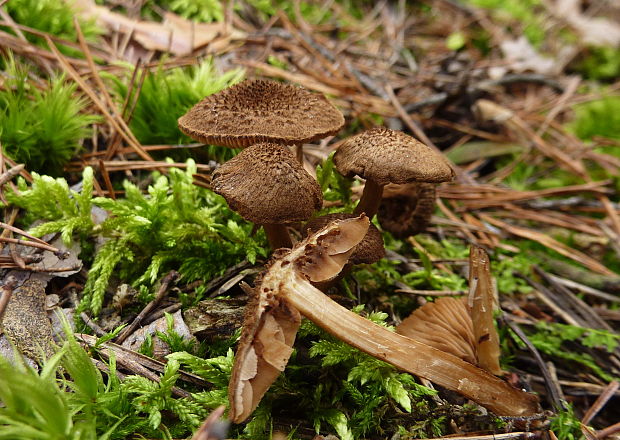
(407, 354)
(319, 258)
(370, 200)
(278, 236)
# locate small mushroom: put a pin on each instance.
(261, 111)
(461, 326)
(444, 324)
(368, 251)
(383, 156)
(319, 258)
(407, 209)
(266, 185)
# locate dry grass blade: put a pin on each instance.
(600, 402)
(93, 96)
(551, 243)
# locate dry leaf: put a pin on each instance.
(592, 30)
(175, 34)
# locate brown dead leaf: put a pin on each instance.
(174, 34)
(598, 31)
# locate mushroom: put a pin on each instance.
(461, 326)
(368, 251)
(383, 156)
(261, 111)
(406, 209)
(444, 324)
(319, 258)
(266, 185)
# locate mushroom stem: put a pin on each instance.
(371, 199)
(407, 354)
(299, 153)
(278, 236)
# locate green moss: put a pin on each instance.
(42, 128)
(54, 17)
(528, 14)
(177, 225)
(600, 117)
(167, 95)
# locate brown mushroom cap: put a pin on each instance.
(261, 111)
(368, 251)
(388, 156)
(266, 184)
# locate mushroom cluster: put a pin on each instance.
(267, 185)
(264, 183)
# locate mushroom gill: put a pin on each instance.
(464, 326)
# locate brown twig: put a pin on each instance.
(7, 291)
(600, 402)
(161, 293)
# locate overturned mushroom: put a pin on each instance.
(266, 185)
(319, 258)
(383, 156)
(261, 111)
(463, 327)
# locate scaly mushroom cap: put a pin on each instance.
(369, 250)
(445, 325)
(266, 185)
(261, 111)
(388, 156)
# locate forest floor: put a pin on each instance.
(110, 221)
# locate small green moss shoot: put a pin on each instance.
(42, 128)
(54, 17)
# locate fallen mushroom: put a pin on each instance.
(461, 326)
(383, 156)
(266, 185)
(288, 284)
(261, 111)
